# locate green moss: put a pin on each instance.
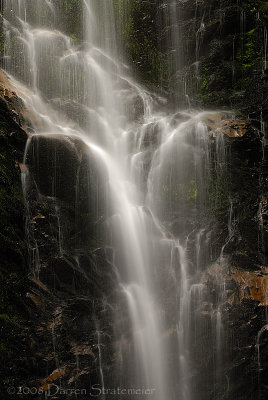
(11, 320)
(71, 12)
(251, 6)
(204, 82)
(138, 27)
(233, 68)
(204, 88)
(251, 52)
(74, 37)
(3, 346)
(248, 59)
(192, 191)
(202, 97)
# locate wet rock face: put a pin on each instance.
(12, 141)
(243, 336)
(218, 123)
(13, 304)
(210, 53)
(232, 295)
(224, 54)
(49, 323)
(241, 193)
(244, 273)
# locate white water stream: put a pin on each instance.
(157, 166)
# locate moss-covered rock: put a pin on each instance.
(139, 36)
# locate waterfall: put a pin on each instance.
(156, 170)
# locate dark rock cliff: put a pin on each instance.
(211, 53)
(53, 324)
(52, 295)
(14, 313)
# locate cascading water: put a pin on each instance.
(157, 171)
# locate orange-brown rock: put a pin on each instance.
(12, 97)
(38, 301)
(252, 285)
(53, 377)
(7, 89)
(75, 377)
(217, 123)
(249, 284)
(82, 350)
(40, 284)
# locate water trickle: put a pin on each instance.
(219, 332)
(258, 344)
(100, 364)
(261, 240)
(54, 338)
(265, 38)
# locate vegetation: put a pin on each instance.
(137, 21)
